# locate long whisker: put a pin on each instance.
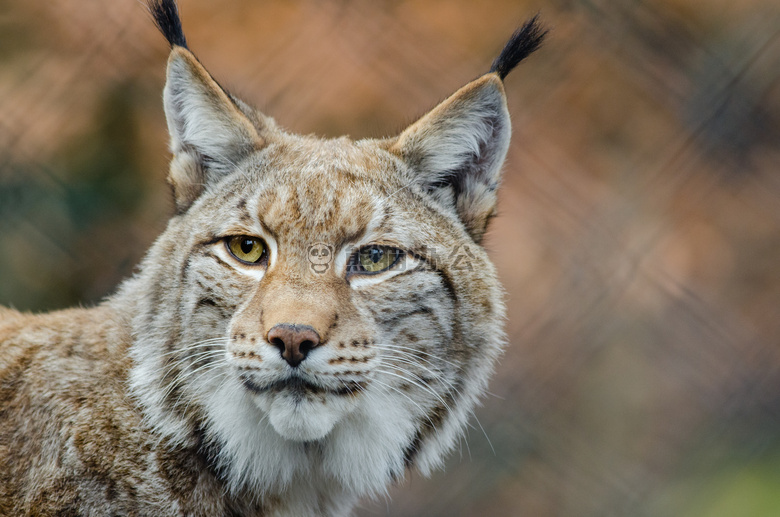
(193, 358)
(484, 432)
(415, 351)
(198, 344)
(220, 373)
(423, 412)
(207, 368)
(424, 386)
(453, 389)
(410, 358)
(404, 350)
(170, 368)
(434, 375)
(413, 360)
(181, 375)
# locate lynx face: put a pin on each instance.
(320, 312)
(379, 354)
(307, 347)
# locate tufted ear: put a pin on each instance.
(457, 149)
(209, 133)
(210, 130)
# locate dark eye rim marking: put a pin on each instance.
(354, 267)
(262, 260)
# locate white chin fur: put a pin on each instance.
(303, 419)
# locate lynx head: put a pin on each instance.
(347, 368)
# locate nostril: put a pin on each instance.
(278, 343)
(306, 346)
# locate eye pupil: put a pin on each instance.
(375, 255)
(247, 245)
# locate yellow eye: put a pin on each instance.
(249, 250)
(373, 259)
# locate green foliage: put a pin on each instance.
(60, 220)
(743, 490)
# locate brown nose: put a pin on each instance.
(293, 341)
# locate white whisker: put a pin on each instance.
(423, 412)
(424, 386)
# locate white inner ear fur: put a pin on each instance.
(457, 149)
(202, 120)
(472, 126)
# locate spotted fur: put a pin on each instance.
(171, 399)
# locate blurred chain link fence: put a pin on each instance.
(638, 237)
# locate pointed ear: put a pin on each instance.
(209, 133)
(458, 148)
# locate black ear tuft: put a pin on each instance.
(523, 42)
(166, 17)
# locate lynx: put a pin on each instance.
(297, 338)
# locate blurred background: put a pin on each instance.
(638, 236)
